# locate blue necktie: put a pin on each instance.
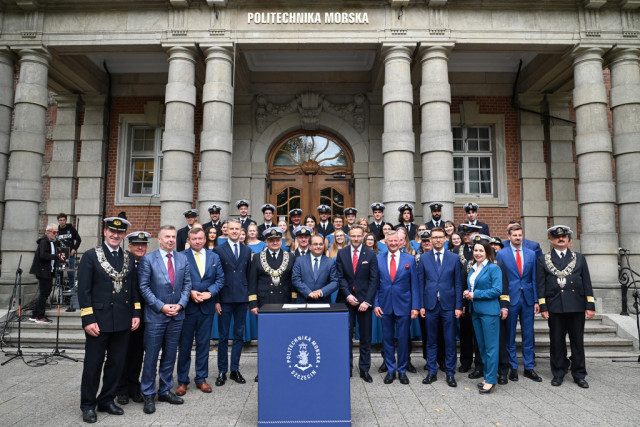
(315, 269)
(235, 251)
(438, 259)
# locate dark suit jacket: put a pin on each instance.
(99, 303)
(577, 294)
(364, 283)
(41, 264)
(236, 273)
(485, 227)
(211, 282)
(305, 283)
(403, 294)
(520, 285)
(431, 224)
(529, 244)
(377, 231)
(156, 288)
(248, 221)
(445, 280)
(181, 238)
(262, 227)
(325, 231)
(261, 290)
(210, 224)
(411, 230)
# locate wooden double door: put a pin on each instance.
(307, 192)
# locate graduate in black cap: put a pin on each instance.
(375, 227)
(191, 216)
(324, 226)
(214, 213)
(405, 219)
(471, 209)
(267, 212)
(243, 211)
(436, 216)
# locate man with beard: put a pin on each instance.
(214, 213)
(436, 215)
(295, 216)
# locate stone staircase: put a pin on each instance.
(601, 340)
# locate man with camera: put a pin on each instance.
(69, 238)
(45, 261)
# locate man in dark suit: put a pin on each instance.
(207, 279)
(191, 216)
(243, 212)
(232, 302)
(520, 265)
(376, 225)
(214, 213)
(267, 212)
(405, 220)
(358, 281)
(315, 277)
(397, 302)
(43, 267)
(471, 209)
(110, 310)
(526, 243)
(302, 235)
(436, 216)
(566, 299)
(129, 385)
(295, 216)
(165, 285)
(440, 277)
(324, 226)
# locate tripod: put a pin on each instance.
(17, 289)
(56, 351)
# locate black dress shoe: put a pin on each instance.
(513, 375)
(110, 408)
(475, 374)
(502, 380)
(403, 378)
(464, 368)
(487, 390)
(388, 379)
(430, 379)
(136, 397)
(451, 381)
(383, 368)
(581, 382)
(149, 404)
(222, 378)
(532, 375)
(89, 416)
(365, 376)
(556, 381)
(171, 398)
(122, 399)
(237, 377)
(411, 368)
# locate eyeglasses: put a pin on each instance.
(437, 237)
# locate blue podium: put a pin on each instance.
(303, 366)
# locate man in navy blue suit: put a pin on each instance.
(520, 264)
(232, 302)
(165, 284)
(471, 209)
(397, 303)
(440, 275)
(526, 243)
(207, 279)
(315, 277)
(358, 274)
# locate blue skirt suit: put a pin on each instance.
(485, 314)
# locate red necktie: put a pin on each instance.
(172, 273)
(355, 260)
(519, 261)
(392, 267)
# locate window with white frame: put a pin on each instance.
(145, 161)
(473, 161)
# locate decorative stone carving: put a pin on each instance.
(309, 105)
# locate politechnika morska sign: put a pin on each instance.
(307, 18)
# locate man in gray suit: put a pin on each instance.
(315, 277)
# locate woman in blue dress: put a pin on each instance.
(252, 241)
(382, 246)
(223, 233)
(417, 242)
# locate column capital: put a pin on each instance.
(439, 51)
(397, 52)
(222, 51)
(38, 54)
(186, 52)
(623, 54)
(583, 52)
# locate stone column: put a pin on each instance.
(398, 140)
(562, 168)
(596, 190)
(178, 141)
(534, 207)
(436, 139)
(216, 140)
(62, 169)
(89, 202)
(23, 188)
(625, 106)
(7, 65)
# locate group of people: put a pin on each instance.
(135, 304)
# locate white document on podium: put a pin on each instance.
(293, 306)
(318, 305)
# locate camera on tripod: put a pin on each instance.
(62, 264)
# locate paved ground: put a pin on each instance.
(50, 395)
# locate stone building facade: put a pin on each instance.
(153, 107)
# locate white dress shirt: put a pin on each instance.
(476, 270)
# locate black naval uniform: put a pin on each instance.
(208, 225)
(246, 222)
(261, 229)
(262, 290)
(325, 231)
(129, 385)
(503, 355)
(566, 306)
(377, 230)
(181, 238)
(113, 312)
(411, 229)
(298, 253)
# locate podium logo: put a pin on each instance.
(303, 357)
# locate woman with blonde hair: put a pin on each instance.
(287, 241)
(339, 242)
